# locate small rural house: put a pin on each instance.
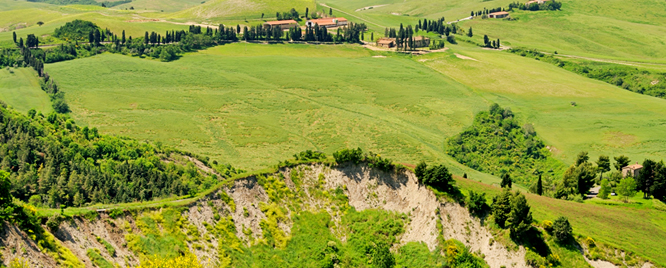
(632, 170)
(327, 22)
(498, 15)
(283, 24)
(421, 41)
(386, 42)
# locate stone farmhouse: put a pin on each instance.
(283, 24)
(327, 22)
(632, 170)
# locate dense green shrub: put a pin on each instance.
(501, 207)
(437, 176)
(497, 144)
(348, 155)
(476, 203)
(76, 30)
(310, 155)
(520, 217)
(562, 229)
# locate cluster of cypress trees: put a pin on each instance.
(485, 11)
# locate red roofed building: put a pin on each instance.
(283, 24)
(327, 22)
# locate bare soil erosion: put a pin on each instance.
(366, 188)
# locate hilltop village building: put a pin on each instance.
(498, 15)
(327, 22)
(632, 170)
(283, 24)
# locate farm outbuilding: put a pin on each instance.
(498, 15)
(327, 22)
(421, 41)
(283, 24)
(386, 42)
(632, 170)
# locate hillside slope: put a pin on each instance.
(260, 214)
(302, 216)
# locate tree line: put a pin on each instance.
(54, 162)
(547, 5)
(627, 77)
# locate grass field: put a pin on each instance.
(638, 229)
(607, 119)
(254, 105)
(21, 90)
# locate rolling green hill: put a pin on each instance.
(255, 104)
(606, 119)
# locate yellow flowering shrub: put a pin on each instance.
(187, 261)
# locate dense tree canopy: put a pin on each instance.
(59, 163)
(497, 144)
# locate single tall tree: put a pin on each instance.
(469, 33)
(539, 186)
(123, 38)
(646, 177)
(520, 217)
(506, 181)
(501, 207)
(307, 10)
(330, 11)
(626, 188)
(14, 34)
(605, 189)
(603, 165)
(620, 162)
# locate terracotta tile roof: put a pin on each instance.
(281, 22)
(633, 167)
(327, 21)
(499, 13)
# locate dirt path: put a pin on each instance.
(464, 57)
(370, 7)
(343, 12)
(468, 18)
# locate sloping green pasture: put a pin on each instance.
(637, 229)
(254, 105)
(21, 90)
(606, 119)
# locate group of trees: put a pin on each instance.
(497, 144)
(437, 176)
(54, 162)
(547, 5)
(436, 26)
(357, 156)
(404, 37)
(651, 180)
(291, 15)
(490, 44)
(627, 77)
(485, 11)
(510, 210)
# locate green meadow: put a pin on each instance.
(606, 119)
(253, 105)
(21, 90)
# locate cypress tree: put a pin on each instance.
(539, 186)
(14, 34)
(506, 181)
(520, 218)
(330, 12)
(123, 38)
(145, 39)
(372, 36)
(469, 33)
